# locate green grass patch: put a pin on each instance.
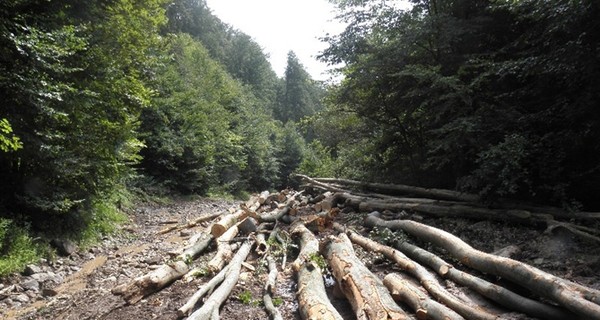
(17, 248)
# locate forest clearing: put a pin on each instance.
(338, 249)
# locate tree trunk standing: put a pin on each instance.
(368, 296)
(573, 297)
(312, 297)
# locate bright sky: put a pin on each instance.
(283, 25)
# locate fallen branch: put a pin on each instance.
(573, 297)
(190, 224)
(367, 294)
(269, 290)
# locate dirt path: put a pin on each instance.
(79, 287)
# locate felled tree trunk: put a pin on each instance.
(229, 220)
(571, 296)
(210, 308)
(404, 189)
(224, 250)
(492, 291)
(427, 280)
(312, 298)
(156, 280)
(425, 307)
(367, 294)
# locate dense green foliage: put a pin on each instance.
(100, 98)
(495, 97)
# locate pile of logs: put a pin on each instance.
(421, 286)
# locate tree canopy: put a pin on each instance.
(494, 97)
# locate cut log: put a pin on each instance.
(280, 212)
(190, 224)
(451, 195)
(492, 291)
(367, 294)
(427, 280)
(224, 250)
(157, 279)
(571, 296)
(229, 220)
(229, 277)
(404, 189)
(425, 307)
(312, 297)
(269, 290)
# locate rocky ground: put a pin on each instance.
(79, 286)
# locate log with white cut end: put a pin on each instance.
(312, 297)
(229, 220)
(368, 296)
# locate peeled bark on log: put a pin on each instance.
(572, 296)
(229, 278)
(367, 294)
(492, 291)
(163, 276)
(269, 290)
(312, 297)
(427, 280)
(425, 307)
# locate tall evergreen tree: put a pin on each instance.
(299, 95)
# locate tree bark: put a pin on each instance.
(427, 280)
(492, 291)
(212, 304)
(269, 290)
(571, 296)
(425, 307)
(224, 250)
(312, 297)
(367, 294)
(163, 276)
(404, 189)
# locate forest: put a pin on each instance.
(108, 103)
